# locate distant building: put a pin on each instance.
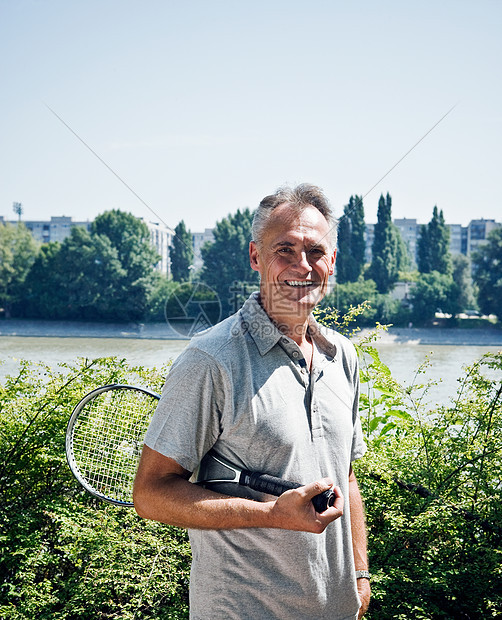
(477, 233)
(55, 229)
(463, 239)
(369, 237)
(161, 237)
(455, 238)
(198, 240)
(409, 230)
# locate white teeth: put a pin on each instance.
(299, 283)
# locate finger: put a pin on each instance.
(339, 502)
(313, 490)
(317, 487)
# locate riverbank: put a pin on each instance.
(81, 329)
(164, 331)
(439, 336)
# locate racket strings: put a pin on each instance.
(108, 438)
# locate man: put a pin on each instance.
(272, 391)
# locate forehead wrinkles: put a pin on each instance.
(298, 223)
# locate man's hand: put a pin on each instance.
(364, 591)
(293, 510)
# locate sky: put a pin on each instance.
(191, 110)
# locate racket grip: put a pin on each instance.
(277, 486)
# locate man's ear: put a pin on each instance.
(332, 266)
(254, 257)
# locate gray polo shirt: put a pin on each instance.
(242, 389)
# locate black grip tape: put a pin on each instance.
(266, 483)
(272, 485)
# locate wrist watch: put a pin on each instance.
(363, 574)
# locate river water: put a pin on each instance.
(403, 359)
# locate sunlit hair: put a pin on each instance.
(299, 197)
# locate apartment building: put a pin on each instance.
(477, 232)
(409, 229)
(161, 238)
(198, 240)
(55, 229)
(463, 239)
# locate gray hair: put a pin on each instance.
(300, 197)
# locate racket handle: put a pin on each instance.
(277, 486)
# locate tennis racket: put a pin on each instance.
(104, 440)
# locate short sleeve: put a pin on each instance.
(187, 421)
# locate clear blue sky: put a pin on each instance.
(205, 106)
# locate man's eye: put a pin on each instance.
(285, 250)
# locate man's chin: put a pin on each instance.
(286, 299)
(303, 298)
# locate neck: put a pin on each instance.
(291, 324)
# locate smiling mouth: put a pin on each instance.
(299, 283)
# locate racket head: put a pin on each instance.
(104, 439)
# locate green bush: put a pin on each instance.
(65, 555)
(431, 483)
(377, 307)
(432, 489)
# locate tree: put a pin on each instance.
(351, 242)
(389, 254)
(487, 262)
(433, 292)
(464, 291)
(96, 284)
(80, 279)
(107, 274)
(423, 246)
(433, 250)
(181, 253)
(123, 268)
(379, 308)
(131, 238)
(43, 295)
(226, 261)
(18, 251)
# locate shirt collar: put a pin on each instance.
(257, 323)
(266, 335)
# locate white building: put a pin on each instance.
(161, 237)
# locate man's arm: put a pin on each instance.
(358, 525)
(162, 493)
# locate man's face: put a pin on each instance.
(294, 259)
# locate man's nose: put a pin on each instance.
(302, 263)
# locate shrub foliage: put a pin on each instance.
(64, 554)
